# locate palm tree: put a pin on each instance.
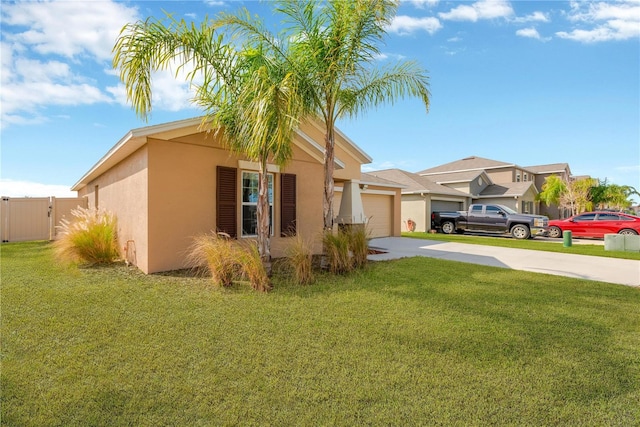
(333, 46)
(246, 92)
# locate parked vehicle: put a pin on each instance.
(595, 224)
(491, 218)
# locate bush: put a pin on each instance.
(336, 248)
(358, 244)
(89, 238)
(217, 254)
(300, 260)
(227, 260)
(252, 267)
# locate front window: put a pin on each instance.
(250, 203)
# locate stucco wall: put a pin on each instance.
(122, 190)
(414, 207)
(182, 202)
(501, 176)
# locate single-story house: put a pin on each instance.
(421, 197)
(168, 183)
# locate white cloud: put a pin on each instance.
(49, 49)
(13, 188)
(603, 21)
(534, 17)
(421, 4)
(530, 33)
(403, 24)
(483, 9)
(68, 28)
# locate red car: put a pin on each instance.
(595, 224)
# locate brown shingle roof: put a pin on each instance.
(466, 164)
(511, 189)
(415, 183)
(550, 168)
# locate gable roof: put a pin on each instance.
(550, 168)
(511, 189)
(466, 164)
(462, 176)
(136, 138)
(416, 184)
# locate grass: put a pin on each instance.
(534, 244)
(412, 341)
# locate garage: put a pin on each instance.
(445, 206)
(379, 210)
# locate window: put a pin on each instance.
(476, 209)
(585, 217)
(524, 177)
(608, 217)
(527, 207)
(250, 203)
(518, 176)
(494, 210)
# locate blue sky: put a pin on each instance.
(525, 82)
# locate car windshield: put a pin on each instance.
(507, 209)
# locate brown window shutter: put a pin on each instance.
(288, 205)
(226, 206)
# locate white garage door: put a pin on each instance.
(379, 209)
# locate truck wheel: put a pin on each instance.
(520, 231)
(448, 227)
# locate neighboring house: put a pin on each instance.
(542, 172)
(421, 196)
(492, 181)
(168, 183)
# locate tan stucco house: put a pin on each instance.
(421, 196)
(170, 182)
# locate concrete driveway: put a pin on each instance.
(611, 270)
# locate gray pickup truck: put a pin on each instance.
(492, 219)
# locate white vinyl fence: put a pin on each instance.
(34, 218)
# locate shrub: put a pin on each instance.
(299, 259)
(227, 260)
(217, 254)
(336, 247)
(252, 267)
(89, 238)
(358, 244)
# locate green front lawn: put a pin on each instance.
(585, 247)
(408, 342)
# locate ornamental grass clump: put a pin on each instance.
(299, 259)
(358, 244)
(251, 266)
(216, 254)
(89, 238)
(336, 247)
(226, 260)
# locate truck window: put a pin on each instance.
(476, 209)
(494, 210)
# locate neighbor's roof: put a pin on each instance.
(551, 168)
(136, 138)
(416, 184)
(367, 178)
(462, 176)
(511, 189)
(466, 164)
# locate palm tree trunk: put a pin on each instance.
(329, 157)
(264, 238)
